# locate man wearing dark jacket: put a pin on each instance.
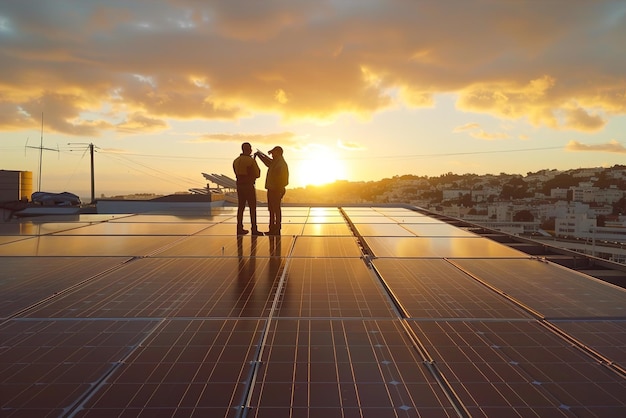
(275, 182)
(247, 171)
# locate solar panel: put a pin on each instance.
(48, 365)
(440, 247)
(28, 280)
(550, 290)
(382, 230)
(228, 246)
(166, 315)
(86, 246)
(326, 287)
(336, 246)
(182, 369)
(344, 368)
(320, 229)
(433, 288)
(373, 219)
(502, 368)
(137, 228)
(605, 337)
(436, 230)
(166, 287)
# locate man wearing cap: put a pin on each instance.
(247, 171)
(275, 182)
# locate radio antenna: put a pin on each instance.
(41, 148)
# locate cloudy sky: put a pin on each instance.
(352, 89)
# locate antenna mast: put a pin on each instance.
(41, 148)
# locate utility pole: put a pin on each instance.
(93, 177)
(93, 181)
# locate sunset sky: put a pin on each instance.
(351, 89)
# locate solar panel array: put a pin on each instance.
(352, 312)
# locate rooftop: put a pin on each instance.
(352, 312)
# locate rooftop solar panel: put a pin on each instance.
(344, 368)
(181, 369)
(549, 289)
(86, 246)
(142, 318)
(137, 228)
(375, 219)
(39, 228)
(231, 229)
(433, 288)
(48, 365)
(607, 338)
(326, 287)
(416, 219)
(436, 230)
(326, 229)
(323, 219)
(382, 230)
(164, 287)
(336, 246)
(28, 280)
(505, 368)
(440, 247)
(209, 217)
(11, 238)
(324, 211)
(227, 246)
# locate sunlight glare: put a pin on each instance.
(319, 166)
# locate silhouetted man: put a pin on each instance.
(275, 182)
(247, 171)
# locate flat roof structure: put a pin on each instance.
(352, 312)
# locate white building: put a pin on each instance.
(585, 192)
(484, 194)
(559, 193)
(574, 225)
(454, 194)
(610, 195)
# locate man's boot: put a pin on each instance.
(241, 231)
(256, 232)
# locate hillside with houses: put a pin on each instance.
(583, 203)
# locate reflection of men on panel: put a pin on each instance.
(275, 182)
(246, 303)
(247, 171)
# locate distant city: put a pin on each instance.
(579, 205)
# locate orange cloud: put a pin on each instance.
(489, 136)
(352, 146)
(611, 146)
(466, 127)
(137, 123)
(582, 120)
(191, 60)
(281, 138)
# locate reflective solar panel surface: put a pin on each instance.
(351, 312)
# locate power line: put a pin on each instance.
(150, 171)
(388, 157)
(452, 154)
(168, 156)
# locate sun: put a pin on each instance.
(319, 166)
